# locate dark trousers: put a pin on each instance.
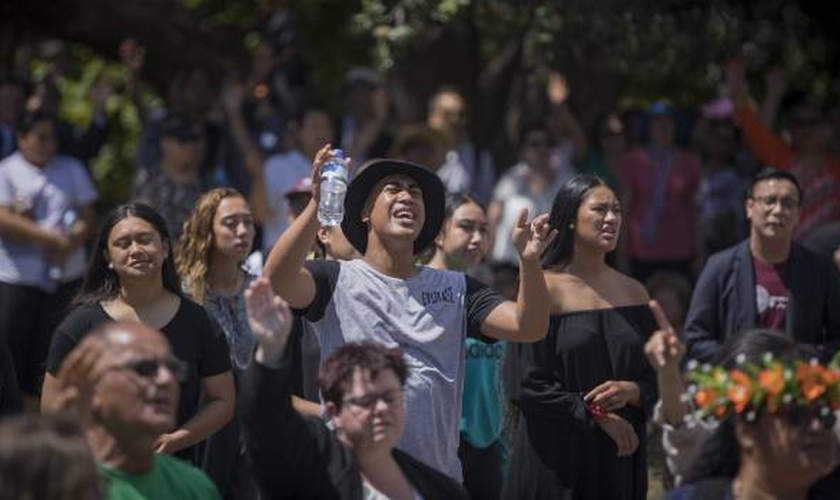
(482, 470)
(28, 317)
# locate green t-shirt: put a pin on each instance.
(170, 478)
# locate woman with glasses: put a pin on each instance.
(131, 277)
(586, 390)
(362, 387)
(217, 238)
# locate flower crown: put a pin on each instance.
(769, 385)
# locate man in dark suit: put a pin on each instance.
(767, 281)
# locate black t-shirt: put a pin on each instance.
(195, 338)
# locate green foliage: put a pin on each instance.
(659, 49)
(113, 168)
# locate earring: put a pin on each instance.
(571, 226)
(110, 265)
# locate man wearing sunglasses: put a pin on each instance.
(768, 281)
(123, 382)
(174, 185)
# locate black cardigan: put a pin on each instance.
(297, 457)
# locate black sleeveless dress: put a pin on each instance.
(559, 451)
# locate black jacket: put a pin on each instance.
(724, 301)
(297, 457)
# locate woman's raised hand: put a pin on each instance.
(663, 348)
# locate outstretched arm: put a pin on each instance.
(557, 90)
(286, 451)
(766, 146)
(284, 267)
(525, 320)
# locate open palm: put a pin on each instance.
(269, 317)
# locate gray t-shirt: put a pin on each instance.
(427, 316)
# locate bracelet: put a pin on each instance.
(598, 412)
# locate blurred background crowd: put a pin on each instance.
(674, 104)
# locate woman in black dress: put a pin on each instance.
(586, 390)
(131, 277)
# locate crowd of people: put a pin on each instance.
(466, 331)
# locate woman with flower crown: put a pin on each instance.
(757, 424)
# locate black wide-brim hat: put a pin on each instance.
(360, 188)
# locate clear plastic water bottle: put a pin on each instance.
(55, 271)
(333, 189)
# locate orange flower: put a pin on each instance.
(740, 390)
(772, 381)
(830, 377)
(704, 397)
(810, 378)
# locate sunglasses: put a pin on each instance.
(804, 415)
(150, 368)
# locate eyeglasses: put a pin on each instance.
(150, 368)
(770, 201)
(803, 416)
(368, 401)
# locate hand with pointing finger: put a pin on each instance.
(664, 349)
(665, 353)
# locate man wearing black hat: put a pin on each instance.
(393, 211)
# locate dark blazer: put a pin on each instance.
(297, 457)
(723, 302)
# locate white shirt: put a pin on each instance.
(45, 194)
(514, 193)
(282, 172)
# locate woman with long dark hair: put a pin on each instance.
(586, 390)
(131, 277)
